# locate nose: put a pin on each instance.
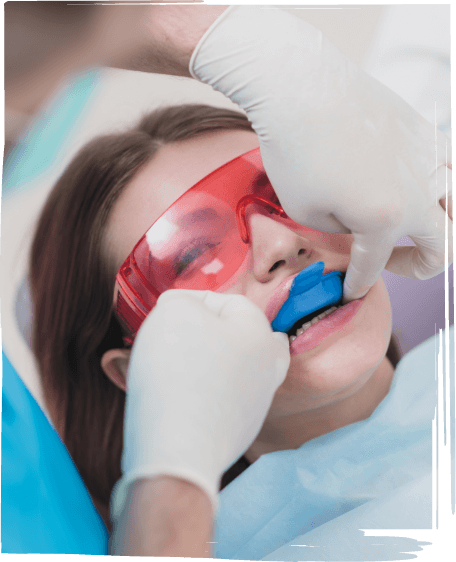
(276, 248)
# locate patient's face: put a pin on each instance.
(323, 372)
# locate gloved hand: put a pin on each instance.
(343, 152)
(202, 375)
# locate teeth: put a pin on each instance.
(307, 325)
(303, 328)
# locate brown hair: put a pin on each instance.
(72, 285)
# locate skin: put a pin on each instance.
(340, 381)
(40, 51)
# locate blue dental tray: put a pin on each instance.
(310, 291)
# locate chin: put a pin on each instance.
(341, 363)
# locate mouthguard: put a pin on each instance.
(310, 291)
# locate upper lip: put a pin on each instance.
(282, 292)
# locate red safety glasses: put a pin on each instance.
(199, 242)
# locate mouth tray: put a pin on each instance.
(310, 292)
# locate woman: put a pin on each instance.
(88, 227)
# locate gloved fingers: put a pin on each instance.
(430, 253)
(283, 356)
(281, 337)
(447, 207)
(443, 148)
(236, 308)
(209, 301)
(173, 294)
(230, 305)
(174, 304)
(441, 181)
(246, 316)
(241, 308)
(176, 312)
(369, 256)
(222, 305)
(324, 222)
(402, 261)
(427, 258)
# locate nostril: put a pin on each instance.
(301, 251)
(276, 265)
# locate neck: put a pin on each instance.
(290, 432)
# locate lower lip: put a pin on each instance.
(319, 331)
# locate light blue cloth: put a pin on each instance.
(287, 494)
(372, 474)
(406, 507)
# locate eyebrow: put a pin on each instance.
(202, 214)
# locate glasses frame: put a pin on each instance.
(131, 308)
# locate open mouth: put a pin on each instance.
(304, 323)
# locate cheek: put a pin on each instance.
(237, 283)
(338, 243)
(326, 241)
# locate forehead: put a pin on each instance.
(172, 171)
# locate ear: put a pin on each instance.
(115, 364)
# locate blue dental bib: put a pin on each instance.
(310, 291)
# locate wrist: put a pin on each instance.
(185, 29)
(164, 516)
(171, 34)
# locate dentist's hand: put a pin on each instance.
(343, 152)
(203, 371)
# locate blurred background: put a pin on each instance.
(407, 47)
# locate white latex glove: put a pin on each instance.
(203, 371)
(343, 152)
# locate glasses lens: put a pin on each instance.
(196, 244)
(192, 247)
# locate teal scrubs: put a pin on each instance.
(45, 505)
